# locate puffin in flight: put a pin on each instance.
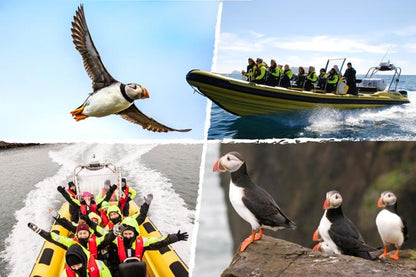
(251, 202)
(109, 96)
(339, 233)
(391, 227)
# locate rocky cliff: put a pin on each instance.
(6, 145)
(299, 175)
(275, 257)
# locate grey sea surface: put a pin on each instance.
(180, 163)
(20, 168)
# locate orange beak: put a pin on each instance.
(218, 166)
(316, 236)
(380, 202)
(325, 207)
(317, 247)
(145, 93)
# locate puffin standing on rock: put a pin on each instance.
(109, 96)
(251, 202)
(391, 227)
(339, 233)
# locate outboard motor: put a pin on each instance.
(132, 267)
(403, 92)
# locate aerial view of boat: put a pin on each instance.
(91, 177)
(244, 98)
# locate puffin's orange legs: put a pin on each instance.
(77, 113)
(395, 256)
(259, 235)
(247, 241)
(382, 256)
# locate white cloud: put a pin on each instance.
(407, 31)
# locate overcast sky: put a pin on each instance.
(153, 43)
(309, 32)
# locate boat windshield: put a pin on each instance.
(92, 177)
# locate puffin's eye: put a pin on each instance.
(228, 159)
(336, 196)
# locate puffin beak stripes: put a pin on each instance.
(325, 207)
(317, 247)
(316, 236)
(380, 203)
(145, 93)
(218, 166)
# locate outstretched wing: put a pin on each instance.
(133, 114)
(90, 56)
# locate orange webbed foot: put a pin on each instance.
(78, 111)
(247, 242)
(259, 235)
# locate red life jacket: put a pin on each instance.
(92, 245)
(71, 193)
(104, 218)
(123, 200)
(92, 270)
(122, 251)
(85, 210)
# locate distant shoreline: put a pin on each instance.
(8, 145)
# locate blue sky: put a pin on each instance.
(309, 32)
(153, 43)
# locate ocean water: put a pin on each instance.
(46, 168)
(384, 123)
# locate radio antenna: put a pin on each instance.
(385, 54)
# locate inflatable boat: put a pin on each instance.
(245, 98)
(51, 258)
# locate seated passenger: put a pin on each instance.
(274, 74)
(251, 67)
(79, 262)
(73, 211)
(131, 244)
(322, 79)
(260, 72)
(332, 81)
(310, 79)
(300, 80)
(87, 203)
(107, 186)
(103, 213)
(286, 77)
(127, 194)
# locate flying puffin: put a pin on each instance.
(391, 227)
(251, 202)
(339, 233)
(109, 96)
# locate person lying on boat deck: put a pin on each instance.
(72, 226)
(349, 76)
(311, 79)
(131, 244)
(79, 262)
(251, 67)
(103, 213)
(273, 74)
(322, 79)
(87, 203)
(100, 196)
(300, 80)
(73, 211)
(127, 194)
(82, 236)
(332, 81)
(286, 77)
(260, 72)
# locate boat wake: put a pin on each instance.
(168, 210)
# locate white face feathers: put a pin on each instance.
(333, 200)
(387, 198)
(136, 91)
(229, 162)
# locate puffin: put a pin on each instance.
(251, 202)
(339, 233)
(390, 225)
(323, 247)
(109, 96)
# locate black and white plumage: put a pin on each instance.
(251, 202)
(390, 225)
(339, 233)
(109, 96)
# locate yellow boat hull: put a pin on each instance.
(164, 262)
(243, 98)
